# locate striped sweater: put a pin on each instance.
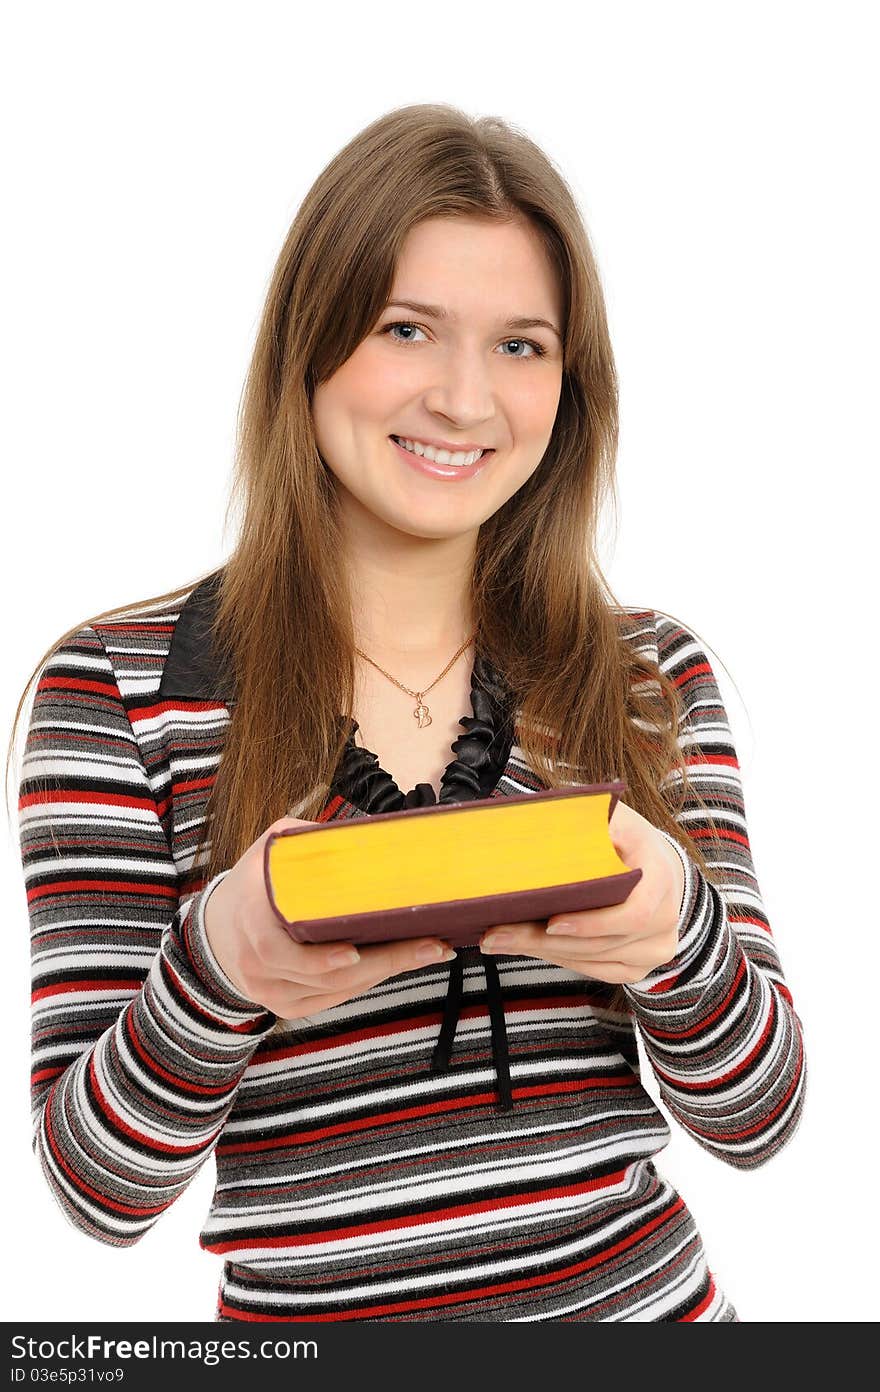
(351, 1183)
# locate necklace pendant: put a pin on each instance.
(422, 714)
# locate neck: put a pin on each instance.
(412, 599)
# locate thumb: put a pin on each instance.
(285, 824)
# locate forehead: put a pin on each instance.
(477, 267)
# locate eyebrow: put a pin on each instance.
(438, 312)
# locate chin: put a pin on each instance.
(426, 533)
(431, 528)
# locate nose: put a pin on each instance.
(462, 392)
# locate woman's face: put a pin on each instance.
(467, 377)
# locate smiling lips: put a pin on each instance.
(441, 453)
(441, 463)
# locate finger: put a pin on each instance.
(529, 940)
(385, 960)
(342, 966)
(635, 951)
(599, 969)
(614, 973)
(613, 919)
(304, 1007)
(603, 969)
(598, 948)
(634, 913)
(372, 968)
(579, 954)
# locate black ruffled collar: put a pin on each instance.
(482, 753)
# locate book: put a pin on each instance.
(450, 870)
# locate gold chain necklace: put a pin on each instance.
(421, 712)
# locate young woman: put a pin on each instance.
(402, 1132)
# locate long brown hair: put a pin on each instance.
(545, 614)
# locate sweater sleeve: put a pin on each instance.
(139, 1040)
(718, 1020)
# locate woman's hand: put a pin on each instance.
(621, 942)
(294, 979)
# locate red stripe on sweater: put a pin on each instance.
(93, 797)
(765, 1121)
(135, 626)
(449, 1104)
(163, 707)
(423, 1220)
(160, 1072)
(696, 669)
(731, 1072)
(416, 1022)
(78, 1181)
(160, 1147)
(78, 684)
(243, 1027)
(707, 1019)
(722, 834)
(101, 887)
(60, 988)
(192, 785)
(703, 1304)
(43, 1074)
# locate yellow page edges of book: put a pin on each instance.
(365, 864)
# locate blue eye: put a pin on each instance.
(537, 350)
(401, 325)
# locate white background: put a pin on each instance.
(722, 157)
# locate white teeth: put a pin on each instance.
(439, 456)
